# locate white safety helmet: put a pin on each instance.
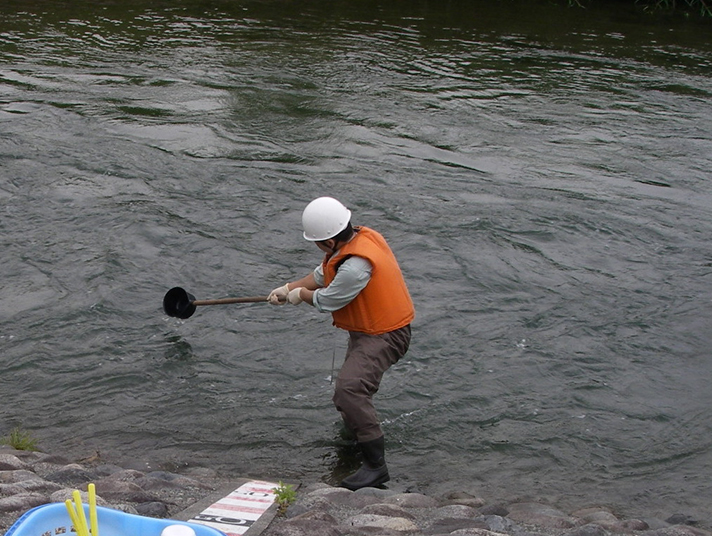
(324, 218)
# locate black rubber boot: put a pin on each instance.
(374, 471)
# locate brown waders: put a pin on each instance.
(367, 358)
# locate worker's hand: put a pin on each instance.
(293, 297)
(278, 296)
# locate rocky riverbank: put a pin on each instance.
(29, 479)
(323, 510)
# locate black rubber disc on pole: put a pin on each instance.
(178, 303)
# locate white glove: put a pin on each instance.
(293, 297)
(278, 296)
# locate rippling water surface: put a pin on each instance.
(541, 172)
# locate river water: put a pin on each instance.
(542, 173)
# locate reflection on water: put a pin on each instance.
(178, 349)
(541, 173)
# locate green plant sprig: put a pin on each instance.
(285, 495)
(20, 439)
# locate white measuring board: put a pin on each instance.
(238, 511)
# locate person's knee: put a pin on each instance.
(347, 392)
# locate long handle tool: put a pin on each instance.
(180, 304)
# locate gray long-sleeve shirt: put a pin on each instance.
(353, 275)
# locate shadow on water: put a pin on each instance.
(178, 349)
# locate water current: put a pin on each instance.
(541, 172)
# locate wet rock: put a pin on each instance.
(127, 475)
(355, 500)
(474, 532)
(677, 530)
(107, 469)
(162, 479)
(38, 486)
(450, 525)
(10, 462)
(411, 500)
(373, 492)
(19, 475)
(590, 529)
(303, 527)
(456, 511)
(310, 503)
(464, 498)
(71, 475)
(398, 524)
(500, 524)
(495, 510)
(318, 515)
(599, 516)
(391, 510)
(112, 489)
(152, 509)
(65, 494)
(629, 525)
(541, 515)
(6, 490)
(681, 519)
(22, 502)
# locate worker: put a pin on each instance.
(360, 283)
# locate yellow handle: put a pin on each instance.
(82, 529)
(92, 510)
(72, 514)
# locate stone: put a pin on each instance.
(374, 492)
(450, 525)
(464, 498)
(398, 524)
(541, 515)
(590, 529)
(677, 530)
(19, 475)
(500, 524)
(127, 475)
(10, 462)
(474, 532)
(22, 502)
(495, 510)
(600, 516)
(303, 527)
(71, 475)
(64, 494)
(120, 490)
(7, 490)
(318, 515)
(391, 510)
(633, 524)
(152, 509)
(162, 480)
(411, 500)
(456, 511)
(329, 492)
(352, 499)
(681, 519)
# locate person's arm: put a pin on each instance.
(279, 295)
(351, 278)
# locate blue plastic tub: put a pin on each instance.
(53, 520)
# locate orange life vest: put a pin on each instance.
(384, 304)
